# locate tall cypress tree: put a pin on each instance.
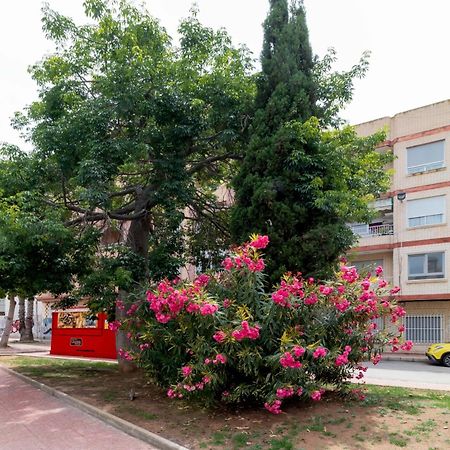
(291, 184)
(286, 87)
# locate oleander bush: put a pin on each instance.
(223, 338)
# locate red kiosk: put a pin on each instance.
(76, 333)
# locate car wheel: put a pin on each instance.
(446, 360)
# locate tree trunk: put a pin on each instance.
(9, 321)
(22, 318)
(137, 241)
(122, 342)
(28, 335)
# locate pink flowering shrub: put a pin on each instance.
(223, 338)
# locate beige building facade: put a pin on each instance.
(410, 237)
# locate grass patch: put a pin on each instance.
(358, 437)
(240, 440)
(408, 401)
(316, 424)
(398, 440)
(218, 438)
(56, 368)
(338, 421)
(422, 428)
(109, 396)
(137, 412)
(281, 444)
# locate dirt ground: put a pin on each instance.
(387, 419)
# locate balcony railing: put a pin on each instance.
(365, 230)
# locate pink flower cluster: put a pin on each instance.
(288, 359)
(407, 346)
(177, 392)
(125, 354)
(246, 331)
(133, 308)
(273, 407)
(343, 359)
(291, 286)
(320, 352)
(282, 393)
(312, 299)
(219, 336)
(349, 274)
(186, 370)
(247, 256)
(326, 290)
(207, 309)
(260, 242)
(317, 395)
(114, 326)
(398, 312)
(376, 359)
(341, 304)
(169, 301)
(120, 304)
(202, 280)
(285, 392)
(359, 394)
(219, 359)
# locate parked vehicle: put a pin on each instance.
(439, 353)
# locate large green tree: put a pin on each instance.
(300, 182)
(37, 252)
(130, 129)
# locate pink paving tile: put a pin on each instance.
(31, 419)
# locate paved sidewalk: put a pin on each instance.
(20, 348)
(34, 420)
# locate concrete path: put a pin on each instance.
(16, 347)
(31, 419)
(418, 374)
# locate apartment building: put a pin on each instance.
(410, 237)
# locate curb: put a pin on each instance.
(122, 425)
(404, 357)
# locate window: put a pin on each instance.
(2, 306)
(425, 157)
(426, 211)
(423, 329)
(426, 265)
(367, 266)
(379, 324)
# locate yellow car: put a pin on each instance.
(439, 353)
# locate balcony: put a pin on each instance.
(383, 204)
(365, 230)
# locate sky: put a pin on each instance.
(408, 39)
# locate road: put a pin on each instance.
(417, 374)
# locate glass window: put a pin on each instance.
(2, 307)
(425, 157)
(426, 265)
(426, 211)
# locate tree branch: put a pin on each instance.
(207, 161)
